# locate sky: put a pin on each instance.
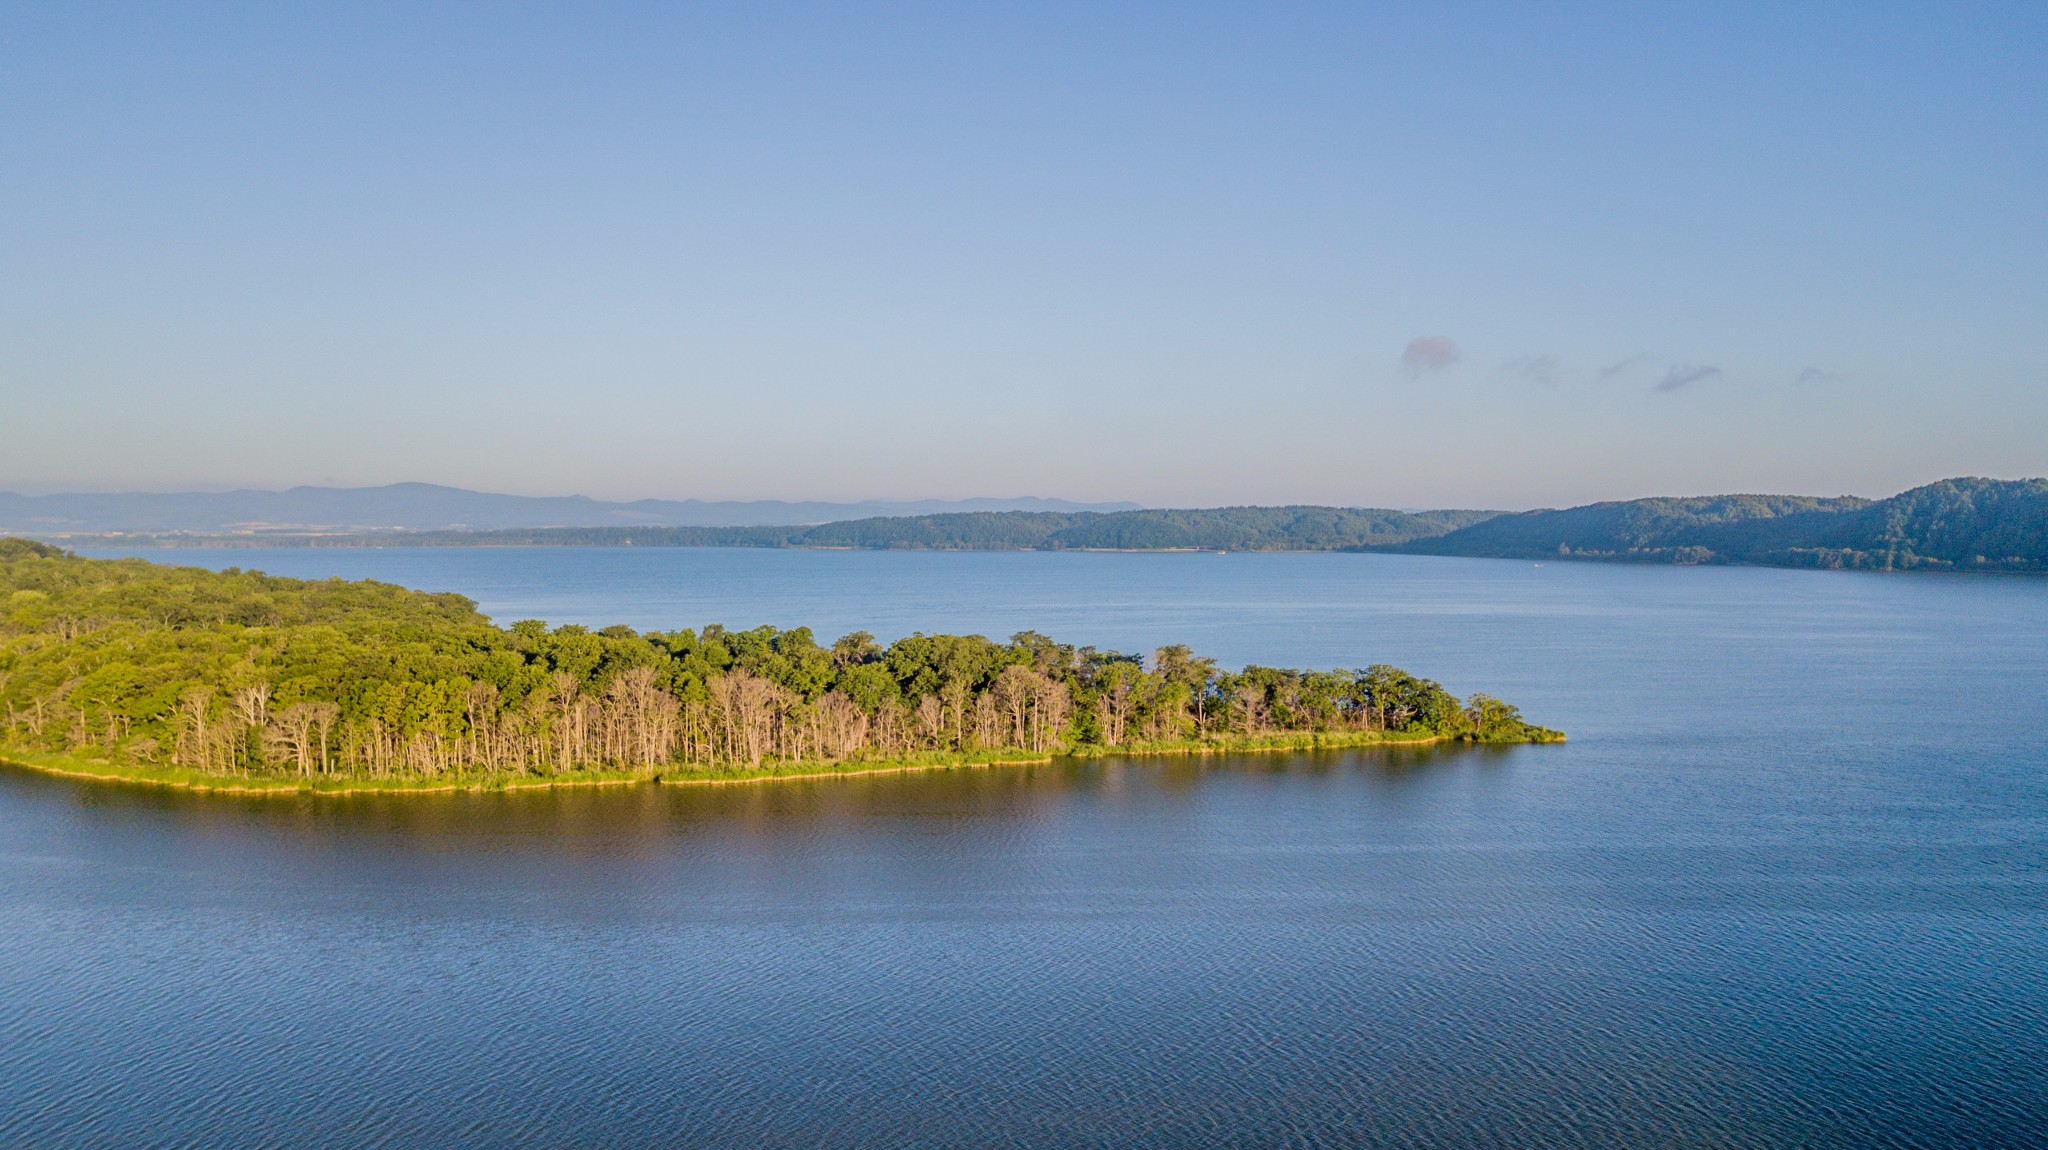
(1500, 255)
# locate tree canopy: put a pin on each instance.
(241, 673)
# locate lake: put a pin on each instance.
(1786, 885)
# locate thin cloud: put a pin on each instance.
(1428, 353)
(1543, 369)
(1619, 366)
(1817, 375)
(1681, 377)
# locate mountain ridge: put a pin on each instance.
(1968, 523)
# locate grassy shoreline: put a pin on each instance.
(105, 771)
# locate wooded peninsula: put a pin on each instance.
(235, 679)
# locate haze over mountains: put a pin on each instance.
(429, 507)
(1967, 524)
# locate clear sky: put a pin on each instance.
(1503, 255)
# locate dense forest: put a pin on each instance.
(1960, 524)
(236, 673)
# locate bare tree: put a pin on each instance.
(324, 716)
(1050, 706)
(1012, 691)
(193, 747)
(481, 706)
(1251, 707)
(293, 729)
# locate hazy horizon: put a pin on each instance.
(972, 497)
(1471, 256)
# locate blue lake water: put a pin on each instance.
(1787, 885)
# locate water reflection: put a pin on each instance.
(570, 820)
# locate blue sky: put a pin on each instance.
(1430, 255)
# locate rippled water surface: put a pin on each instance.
(1787, 885)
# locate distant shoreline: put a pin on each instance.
(99, 771)
(1954, 525)
(1868, 562)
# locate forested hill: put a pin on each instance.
(1222, 528)
(1968, 524)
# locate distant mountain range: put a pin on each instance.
(1963, 524)
(427, 507)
